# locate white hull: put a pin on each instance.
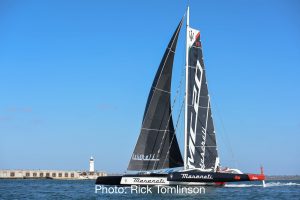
(159, 181)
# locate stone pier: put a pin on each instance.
(49, 174)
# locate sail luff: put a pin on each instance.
(186, 89)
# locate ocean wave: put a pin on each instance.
(272, 184)
(268, 184)
(242, 185)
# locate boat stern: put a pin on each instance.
(256, 177)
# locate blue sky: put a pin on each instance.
(75, 76)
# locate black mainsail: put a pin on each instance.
(201, 147)
(157, 146)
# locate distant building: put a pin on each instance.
(53, 174)
(92, 165)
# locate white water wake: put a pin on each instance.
(268, 184)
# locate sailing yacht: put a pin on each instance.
(156, 159)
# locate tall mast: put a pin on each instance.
(186, 88)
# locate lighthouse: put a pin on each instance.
(92, 165)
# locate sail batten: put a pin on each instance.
(157, 145)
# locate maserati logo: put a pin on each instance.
(191, 34)
(196, 176)
(149, 180)
(142, 157)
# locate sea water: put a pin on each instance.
(85, 189)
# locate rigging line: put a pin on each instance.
(181, 98)
(182, 95)
(180, 127)
(172, 108)
(226, 139)
(182, 105)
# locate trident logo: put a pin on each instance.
(191, 34)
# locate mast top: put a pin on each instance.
(188, 16)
